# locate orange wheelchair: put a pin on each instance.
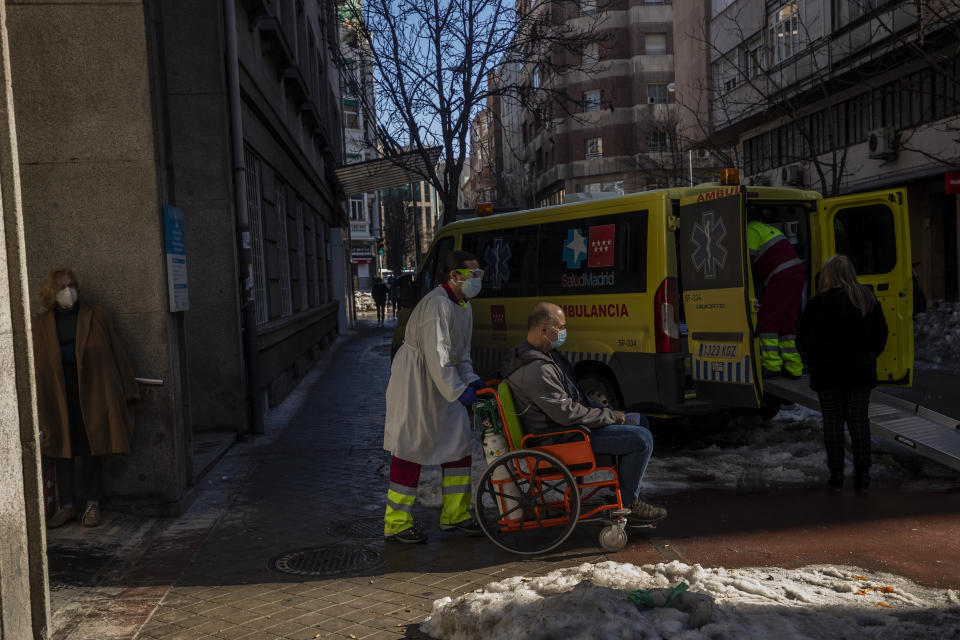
(536, 487)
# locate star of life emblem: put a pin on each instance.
(574, 248)
(497, 259)
(709, 253)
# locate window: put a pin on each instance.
(591, 54)
(298, 260)
(591, 100)
(430, 275)
(351, 114)
(601, 187)
(356, 208)
(658, 141)
(536, 78)
(849, 10)
(426, 192)
(594, 255)
(720, 5)
(657, 93)
(867, 235)
(784, 32)
(588, 7)
(255, 213)
(508, 258)
(656, 44)
(593, 148)
(283, 248)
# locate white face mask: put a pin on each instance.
(67, 297)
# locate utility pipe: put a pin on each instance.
(251, 351)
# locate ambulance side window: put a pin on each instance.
(508, 258)
(600, 254)
(432, 267)
(867, 235)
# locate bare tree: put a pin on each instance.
(431, 62)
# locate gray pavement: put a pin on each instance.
(311, 485)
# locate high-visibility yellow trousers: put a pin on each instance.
(456, 491)
(792, 363)
(770, 358)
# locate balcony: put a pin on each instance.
(360, 230)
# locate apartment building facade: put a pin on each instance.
(359, 125)
(621, 137)
(841, 97)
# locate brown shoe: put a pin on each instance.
(60, 517)
(91, 517)
(645, 513)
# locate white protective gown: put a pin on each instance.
(425, 423)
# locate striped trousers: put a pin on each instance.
(402, 493)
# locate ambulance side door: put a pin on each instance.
(717, 300)
(873, 230)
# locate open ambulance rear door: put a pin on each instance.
(717, 298)
(873, 230)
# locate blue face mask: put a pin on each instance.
(471, 287)
(561, 338)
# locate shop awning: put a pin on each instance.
(385, 173)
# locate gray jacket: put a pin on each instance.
(545, 393)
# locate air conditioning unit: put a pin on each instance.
(760, 180)
(791, 175)
(882, 143)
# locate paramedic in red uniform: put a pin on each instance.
(781, 274)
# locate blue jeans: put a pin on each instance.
(633, 443)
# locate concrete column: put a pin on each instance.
(24, 594)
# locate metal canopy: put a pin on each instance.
(385, 173)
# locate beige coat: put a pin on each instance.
(107, 385)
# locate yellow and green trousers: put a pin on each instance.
(402, 493)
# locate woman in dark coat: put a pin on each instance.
(841, 333)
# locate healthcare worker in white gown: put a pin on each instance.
(431, 385)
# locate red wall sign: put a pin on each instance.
(953, 181)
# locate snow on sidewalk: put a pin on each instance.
(591, 601)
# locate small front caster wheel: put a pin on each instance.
(612, 538)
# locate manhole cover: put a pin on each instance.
(325, 561)
(369, 528)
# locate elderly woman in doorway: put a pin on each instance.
(85, 392)
(842, 332)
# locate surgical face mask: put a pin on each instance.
(67, 297)
(561, 338)
(471, 287)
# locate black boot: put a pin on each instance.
(861, 480)
(836, 480)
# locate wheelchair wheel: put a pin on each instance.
(612, 538)
(527, 502)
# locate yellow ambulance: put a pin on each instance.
(657, 289)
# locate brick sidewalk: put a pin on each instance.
(312, 485)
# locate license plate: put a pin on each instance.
(719, 350)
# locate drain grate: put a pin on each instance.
(370, 528)
(330, 560)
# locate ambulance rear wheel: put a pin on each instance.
(600, 389)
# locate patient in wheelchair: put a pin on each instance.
(547, 398)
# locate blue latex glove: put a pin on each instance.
(468, 398)
(477, 384)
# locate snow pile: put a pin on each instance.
(591, 601)
(937, 333)
(750, 455)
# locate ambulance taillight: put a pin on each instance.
(666, 314)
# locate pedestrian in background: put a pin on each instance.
(431, 385)
(842, 332)
(85, 392)
(379, 293)
(393, 294)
